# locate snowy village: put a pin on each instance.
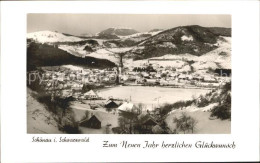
(121, 81)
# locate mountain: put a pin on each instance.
(50, 37)
(118, 31)
(221, 31)
(142, 35)
(50, 55)
(208, 47)
(86, 35)
(195, 40)
(156, 30)
(107, 36)
(115, 33)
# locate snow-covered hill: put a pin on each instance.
(110, 54)
(39, 119)
(183, 47)
(118, 31)
(50, 37)
(221, 55)
(141, 34)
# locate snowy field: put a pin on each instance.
(204, 125)
(151, 96)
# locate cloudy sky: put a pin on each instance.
(92, 23)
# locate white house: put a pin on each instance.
(127, 106)
(91, 95)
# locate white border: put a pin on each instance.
(16, 144)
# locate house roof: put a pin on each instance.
(150, 121)
(111, 104)
(146, 119)
(90, 93)
(92, 117)
(126, 106)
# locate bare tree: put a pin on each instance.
(140, 107)
(192, 123)
(185, 123)
(108, 128)
(122, 122)
(127, 119)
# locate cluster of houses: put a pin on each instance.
(70, 82)
(152, 74)
(147, 74)
(82, 76)
(144, 123)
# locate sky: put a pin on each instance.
(79, 24)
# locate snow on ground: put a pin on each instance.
(140, 63)
(109, 54)
(106, 118)
(72, 67)
(185, 56)
(137, 63)
(78, 50)
(39, 120)
(140, 34)
(185, 68)
(221, 55)
(105, 54)
(206, 108)
(100, 41)
(149, 95)
(200, 65)
(49, 36)
(218, 58)
(202, 115)
(204, 125)
(138, 47)
(167, 44)
(186, 38)
(112, 45)
(119, 50)
(173, 63)
(213, 59)
(87, 35)
(74, 50)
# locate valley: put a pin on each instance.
(119, 77)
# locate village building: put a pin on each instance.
(158, 75)
(72, 76)
(91, 95)
(128, 107)
(210, 79)
(124, 77)
(92, 122)
(111, 104)
(139, 80)
(149, 123)
(151, 82)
